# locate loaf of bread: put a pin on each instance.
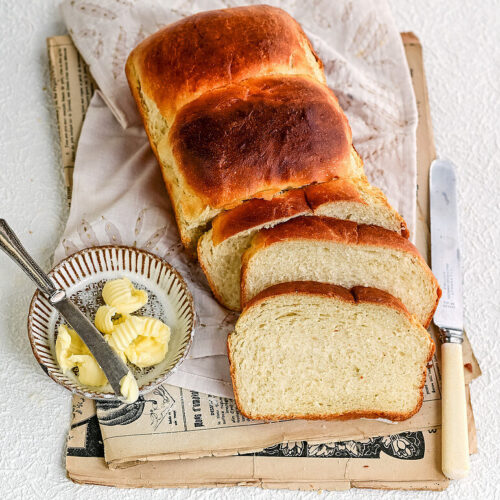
(342, 253)
(220, 249)
(269, 192)
(318, 351)
(236, 107)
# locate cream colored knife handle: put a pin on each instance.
(454, 425)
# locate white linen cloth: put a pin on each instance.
(118, 193)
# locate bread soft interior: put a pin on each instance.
(222, 263)
(400, 273)
(311, 356)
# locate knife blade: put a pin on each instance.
(448, 318)
(445, 252)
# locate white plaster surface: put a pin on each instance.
(462, 60)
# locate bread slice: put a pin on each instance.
(318, 351)
(343, 253)
(220, 249)
(356, 200)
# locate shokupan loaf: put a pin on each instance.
(342, 253)
(236, 107)
(220, 249)
(318, 351)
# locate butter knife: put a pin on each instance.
(445, 254)
(112, 366)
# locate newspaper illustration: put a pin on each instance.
(172, 423)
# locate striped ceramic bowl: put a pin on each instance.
(83, 276)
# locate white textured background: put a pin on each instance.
(462, 61)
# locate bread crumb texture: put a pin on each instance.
(311, 356)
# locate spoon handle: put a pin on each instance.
(11, 245)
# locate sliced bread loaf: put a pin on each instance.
(220, 249)
(343, 253)
(319, 351)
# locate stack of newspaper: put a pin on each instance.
(176, 437)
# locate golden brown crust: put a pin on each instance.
(379, 236)
(302, 288)
(257, 212)
(262, 135)
(215, 48)
(352, 415)
(330, 229)
(336, 190)
(309, 228)
(355, 295)
(348, 190)
(335, 230)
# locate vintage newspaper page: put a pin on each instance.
(72, 89)
(410, 460)
(173, 423)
